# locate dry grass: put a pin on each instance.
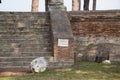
(80, 71)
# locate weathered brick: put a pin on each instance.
(96, 28)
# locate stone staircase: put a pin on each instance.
(23, 37)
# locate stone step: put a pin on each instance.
(15, 69)
(12, 30)
(25, 53)
(20, 62)
(15, 63)
(24, 19)
(25, 37)
(36, 53)
(36, 44)
(11, 47)
(30, 49)
(26, 58)
(24, 43)
(24, 28)
(23, 14)
(52, 65)
(3, 37)
(11, 24)
(22, 32)
(19, 15)
(45, 35)
(10, 59)
(38, 48)
(26, 40)
(13, 66)
(44, 49)
(26, 23)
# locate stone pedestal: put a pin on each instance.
(57, 4)
(62, 36)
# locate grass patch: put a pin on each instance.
(80, 71)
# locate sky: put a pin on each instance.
(25, 5)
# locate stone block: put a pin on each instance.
(62, 36)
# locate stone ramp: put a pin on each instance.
(23, 37)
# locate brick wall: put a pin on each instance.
(25, 36)
(96, 32)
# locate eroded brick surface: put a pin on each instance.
(94, 28)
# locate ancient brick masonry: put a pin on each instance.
(92, 29)
(25, 36)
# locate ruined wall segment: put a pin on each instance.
(96, 31)
(57, 36)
